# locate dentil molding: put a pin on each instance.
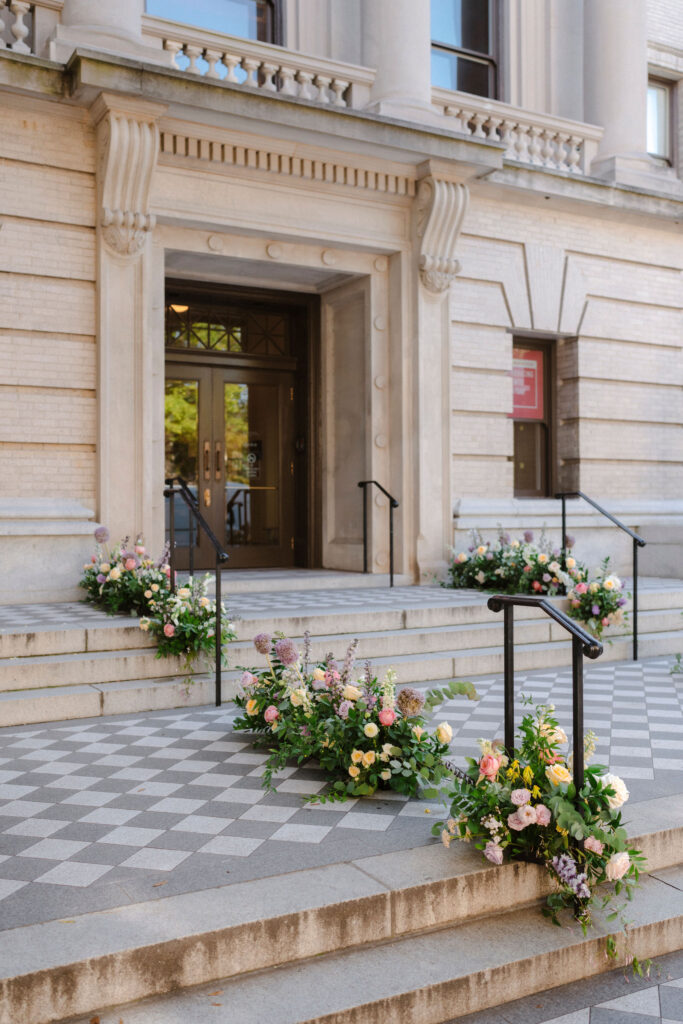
(128, 148)
(439, 212)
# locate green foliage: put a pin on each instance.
(117, 579)
(598, 603)
(437, 695)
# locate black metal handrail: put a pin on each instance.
(184, 492)
(392, 505)
(582, 643)
(638, 542)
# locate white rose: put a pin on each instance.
(617, 866)
(620, 790)
(480, 577)
(371, 730)
(444, 733)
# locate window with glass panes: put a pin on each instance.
(659, 119)
(464, 46)
(248, 19)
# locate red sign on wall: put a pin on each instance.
(527, 384)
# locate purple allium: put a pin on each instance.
(528, 536)
(286, 651)
(565, 869)
(595, 609)
(263, 643)
(505, 538)
(344, 708)
(556, 552)
(101, 577)
(471, 549)
(367, 674)
(349, 661)
(410, 702)
(569, 541)
(101, 534)
(621, 602)
(489, 556)
(307, 649)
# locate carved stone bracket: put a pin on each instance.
(440, 210)
(128, 147)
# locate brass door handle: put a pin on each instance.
(207, 460)
(207, 497)
(217, 464)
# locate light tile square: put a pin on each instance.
(128, 835)
(74, 782)
(369, 822)
(137, 774)
(54, 849)
(74, 873)
(231, 846)
(38, 827)
(173, 805)
(198, 767)
(235, 795)
(216, 780)
(90, 798)
(118, 760)
(59, 768)
(8, 791)
(202, 824)
(109, 816)
(8, 886)
(23, 808)
(269, 812)
(156, 788)
(301, 833)
(300, 786)
(152, 859)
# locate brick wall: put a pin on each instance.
(47, 301)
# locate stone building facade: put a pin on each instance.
(309, 243)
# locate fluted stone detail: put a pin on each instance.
(440, 209)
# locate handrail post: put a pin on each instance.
(171, 530)
(635, 599)
(391, 543)
(365, 527)
(564, 531)
(219, 629)
(191, 533)
(577, 709)
(509, 677)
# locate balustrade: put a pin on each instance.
(12, 24)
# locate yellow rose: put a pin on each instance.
(571, 563)
(557, 774)
(515, 544)
(542, 558)
(144, 624)
(318, 674)
(351, 692)
(296, 697)
(251, 707)
(105, 567)
(354, 771)
(371, 730)
(418, 732)
(481, 550)
(273, 727)
(385, 775)
(148, 594)
(369, 758)
(594, 587)
(204, 602)
(444, 733)
(356, 756)
(115, 574)
(184, 592)
(155, 587)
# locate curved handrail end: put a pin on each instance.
(495, 604)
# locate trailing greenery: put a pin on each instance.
(510, 566)
(600, 602)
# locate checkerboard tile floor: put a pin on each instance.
(98, 813)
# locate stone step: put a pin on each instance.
(401, 935)
(273, 581)
(84, 668)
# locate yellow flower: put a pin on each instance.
(571, 563)
(562, 831)
(535, 793)
(318, 674)
(371, 730)
(144, 624)
(356, 756)
(204, 602)
(557, 774)
(115, 574)
(594, 587)
(351, 692)
(513, 770)
(297, 697)
(251, 707)
(481, 550)
(451, 825)
(105, 567)
(385, 775)
(154, 587)
(354, 771)
(444, 733)
(369, 758)
(542, 558)
(528, 775)
(273, 727)
(148, 594)
(418, 732)
(446, 838)
(184, 592)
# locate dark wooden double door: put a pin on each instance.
(234, 432)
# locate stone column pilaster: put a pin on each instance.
(113, 25)
(128, 145)
(397, 43)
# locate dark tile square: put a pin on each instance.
(671, 999)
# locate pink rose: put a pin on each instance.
(387, 716)
(167, 570)
(489, 766)
(527, 568)
(593, 844)
(169, 629)
(271, 714)
(515, 823)
(536, 585)
(247, 680)
(93, 558)
(581, 588)
(139, 550)
(130, 564)
(617, 866)
(520, 796)
(543, 815)
(576, 604)
(493, 852)
(605, 621)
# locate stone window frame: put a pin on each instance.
(491, 58)
(669, 88)
(277, 20)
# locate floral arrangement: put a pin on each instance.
(118, 578)
(364, 735)
(600, 602)
(525, 806)
(515, 566)
(184, 622)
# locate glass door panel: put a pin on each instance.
(181, 412)
(252, 465)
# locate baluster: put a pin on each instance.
(212, 57)
(174, 48)
(268, 71)
(522, 143)
(231, 62)
(193, 52)
(535, 144)
(3, 44)
(478, 121)
(492, 128)
(20, 9)
(466, 116)
(323, 82)
(549, 149)
(561, 158)
(251, 66)
(574, 154)
(307, 91)
(507, 137)
(288, 85)
(339, 87)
